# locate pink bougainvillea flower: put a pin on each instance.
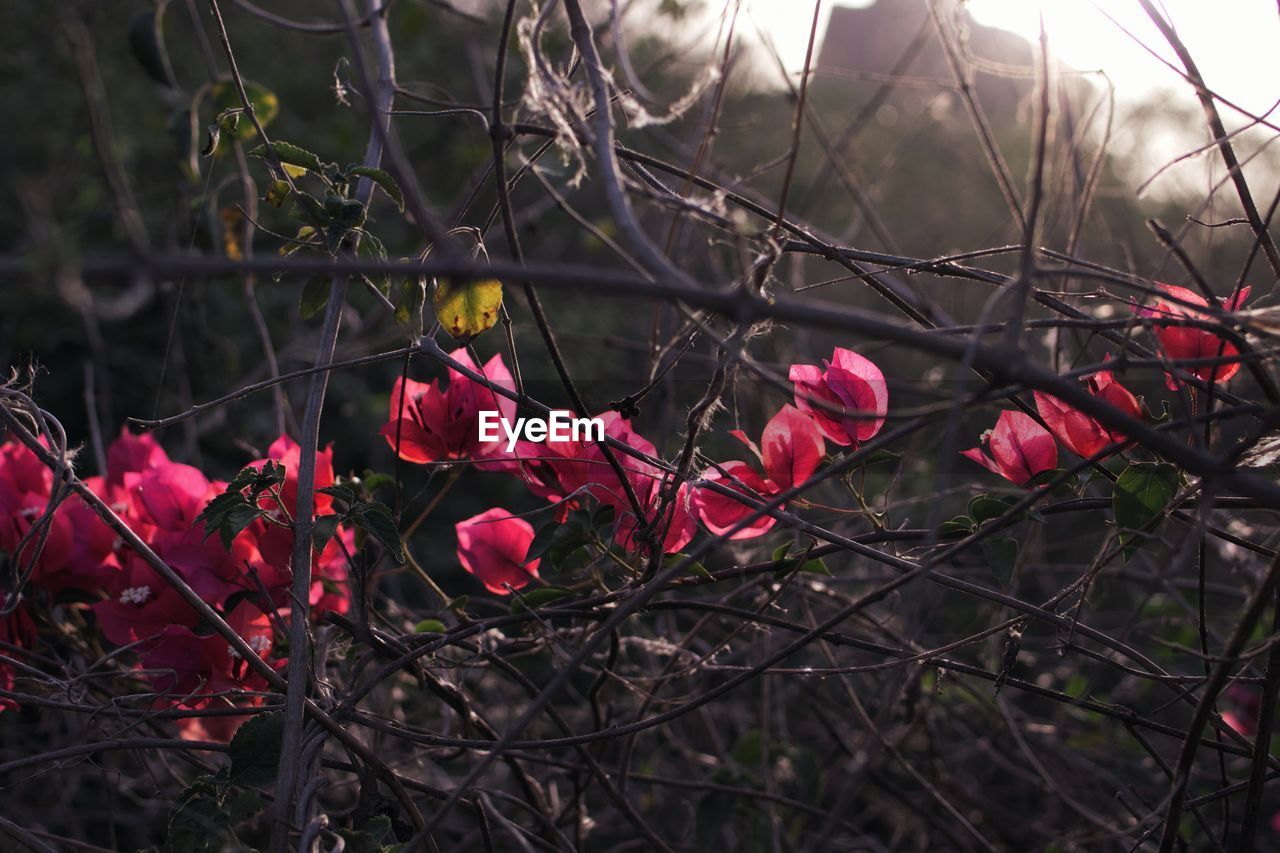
(790, 449)
(271, 557)
(492, 546)
(25, 487)
(847, 397)
(190, 669)
(678, 518)
(568, 471)
(1243, 708)
(172, 494)
(434, 425)
(131, 454)
(1186, 342)
(721, 513)
(141, 604)
(1078, 432)
(288, 453)
(1020, 448)
(80, 552)
(16, 629)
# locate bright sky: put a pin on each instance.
(1233, 41)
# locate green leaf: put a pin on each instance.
(374, 480)
(430, 626)
(539, 598)
(146, 41)
(375, 836)
(229, 514)
(986, 507)
(541, 541)
(468, 309)
(290, 155)
(341, 491)
(243, 805)
(255, 750)
(315, 296)
(1002, 555)
(882, 457)
(411, 297)
(695, 568)
(265, 105)
(603, 516)
(313, 210)
(376, 519)
(199, 825)
(322, 532)
(961, 524)
(1064, 489)
(383, 179)
(558, 541)
(816, 566)
(258, 479)
(351, 213)
(1139, 499)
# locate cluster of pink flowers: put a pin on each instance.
(843, 402)
(1019, 448)
(85, 564)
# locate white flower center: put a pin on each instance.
(258, 643)
(135, 595)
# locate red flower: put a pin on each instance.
(850, 383)
(492, 546)
(1081, 434)
(1185, 342)
(792, 450)
(433, 425)
(1020, 448)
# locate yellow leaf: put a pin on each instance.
(467, 309)
(304, 235)
(294, 171)
(232, 221)
(277, 192)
